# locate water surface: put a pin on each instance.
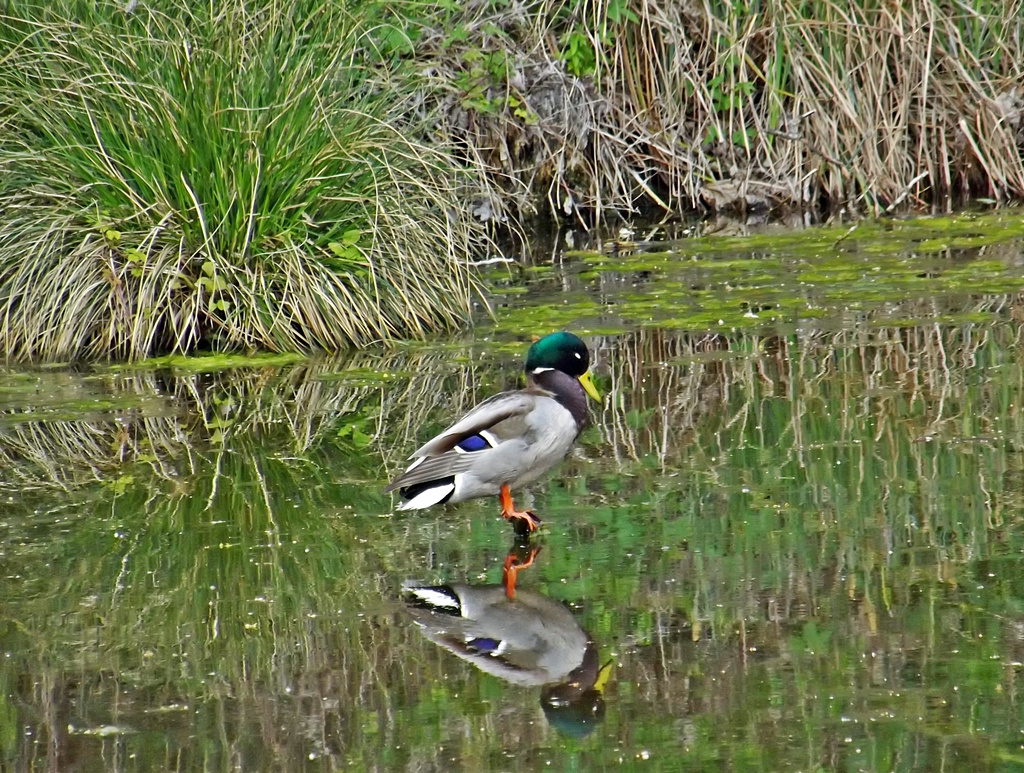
(793, 533)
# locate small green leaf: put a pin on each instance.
(216, 284)
(347, 253)
(619, 11)
(359, 438)
(637, 419)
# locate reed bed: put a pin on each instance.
(252, 175)
(590, 106)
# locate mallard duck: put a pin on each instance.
(510, 439)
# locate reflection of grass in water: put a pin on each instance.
(209, 598)
(226, 537)
(198, 508)
(707, 506)
(139, 422)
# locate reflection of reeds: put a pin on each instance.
(838, 478)
(664, 384)
(881, 437)
(654, 403)
(164, 420)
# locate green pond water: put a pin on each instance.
(791, 540)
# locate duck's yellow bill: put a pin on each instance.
(602, 676)
(588, 386)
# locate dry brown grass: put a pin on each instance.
(779, 103)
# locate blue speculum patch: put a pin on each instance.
(474, 443)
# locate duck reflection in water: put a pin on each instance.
(521, 636)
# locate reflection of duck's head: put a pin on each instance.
(576, 706)
(529, 641)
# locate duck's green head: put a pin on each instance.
(565, 352)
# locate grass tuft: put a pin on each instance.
(179, 176)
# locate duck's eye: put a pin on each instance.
(578, 355)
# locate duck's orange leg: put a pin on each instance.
(512, 567)
(518, 517)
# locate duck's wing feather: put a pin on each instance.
(500, 408)
(428, 468)
(500, 418)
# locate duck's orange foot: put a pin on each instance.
(524, 522)
(515, 561)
